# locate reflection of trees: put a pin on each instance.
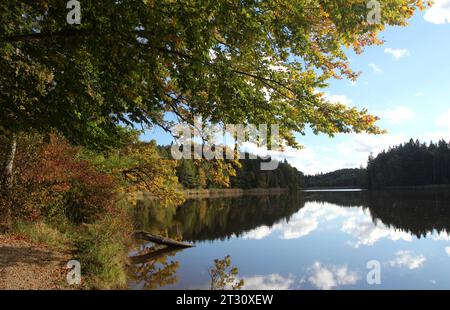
(221, 218)
(416, 212)
(153, 270)
(343, 199)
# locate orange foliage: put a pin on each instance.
(52, 181)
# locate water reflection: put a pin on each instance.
(273, 281)
(309, 240)
(220, 218)
(153, 269)
(393, 214)
(330, 277)
(407, 259)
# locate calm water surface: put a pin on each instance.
(309, 240)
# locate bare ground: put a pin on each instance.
(26, 265)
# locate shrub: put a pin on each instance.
(52, 181)
(102, 250)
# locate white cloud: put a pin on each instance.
(307, 159)
(442, 236)
(447, 250)
(351, 153)
(343, 99)
(303, 223)
(258, 233)
(397, 53)
(329, 277)
(439, 13)
(375, 68)
(435, 136)
(406, 259)
(419, 94)
(368, 233)
(311, 161)
(358, 147)
(443, 120)
(299, 227)
(398, 115)
(268, 282)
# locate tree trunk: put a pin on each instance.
(161, 240)
(154, 255)
(8, 173)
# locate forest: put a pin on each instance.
(246, 173)
(410, 164)
(349, 178)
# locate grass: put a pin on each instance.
(43, 233)
(100, 247)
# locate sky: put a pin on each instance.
(405, 81)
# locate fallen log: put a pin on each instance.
(145, 258)
(161, 240)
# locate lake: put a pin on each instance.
(306, 240)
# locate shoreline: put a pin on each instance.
(333, 187)
(409, 187)
(417, 187)
(232, 192)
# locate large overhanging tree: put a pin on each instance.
(231, 61)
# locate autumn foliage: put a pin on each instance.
(51, 181)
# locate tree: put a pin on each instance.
(249, 175)
(187, 175)
(129, 62)
(139, 169)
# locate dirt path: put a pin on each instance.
(27, 265)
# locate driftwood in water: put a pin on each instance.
(144, 258)
(161, 240)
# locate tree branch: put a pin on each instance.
(44, 35)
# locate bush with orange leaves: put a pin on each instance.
(50, 181)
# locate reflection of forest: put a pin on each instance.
(154, 269)
(416, 212)
(221, 218)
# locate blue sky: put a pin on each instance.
(406, 82)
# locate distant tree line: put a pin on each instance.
(248, 174)
(410, 164)
(339, 178)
